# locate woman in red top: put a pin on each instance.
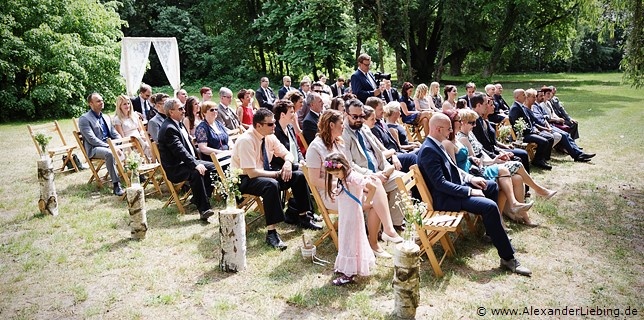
(245, 111)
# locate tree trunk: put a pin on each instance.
(48, 203)
(329, 69)
(406, 281)
(356, 14)
(138, 214)
(381, 59)
(399, 67)
(232, 231)
(501, 38)
(410, 71)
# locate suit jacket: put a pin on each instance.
(283, 91)
(394, 93)
(443, 178)
(310, 126)
(356, 156)
(149, 109)
(360, 85)
(559, 109)
(500, 104)
(334, 90)
(154, 125)
(466, 98)
(92, 132)
(385, 136)
(176, 159)
(263, 99)
(228, 117)
(486, 135)
(281, 135)
(518, 111)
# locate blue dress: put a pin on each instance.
(462, 161)
(410, 119)
(402, 133)
(204, 133)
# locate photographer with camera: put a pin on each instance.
(365, 84)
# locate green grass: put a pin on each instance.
(81, 264)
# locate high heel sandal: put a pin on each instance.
(515, 210)
(397, 239)
(549, 194)
(382, 254)
(523, 220)
(342, 280)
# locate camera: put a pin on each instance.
(381, 76)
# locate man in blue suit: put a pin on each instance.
(363, 83)
(454, 190)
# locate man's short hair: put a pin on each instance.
(260, 115)
(531, 93)
(284, 78)
(311, 97)
(144, 88)
(373, 102)
(203, 90)
(352, 103)
(489, 87)
(90, 96)
(159, 97)
(263, 78)
(545, 89)
(225, 91)
(340, 79)
(368, 111)
(281, 106)
(363, 57)
(303, 82)
(317, 84)
(477, 98)
(169, 105)
(470, 85)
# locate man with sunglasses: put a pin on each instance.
(253, 153)
(179, 158)
(363, 83)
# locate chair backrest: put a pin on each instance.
(234, 134)
(304, 143)
(155, 153)
(125, 145)
(219, 162)
(51, 128)
(314, 191)
(425, 195)
(75, 122)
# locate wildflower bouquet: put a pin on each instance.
(413, 210)
(230, 186)
(503, 135)
(519, 126)
(43, 141)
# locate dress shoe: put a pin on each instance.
(314, 216)
(291, 219)
(521, 207)
(516, 267)
(118, 190)
(548, 195)
(203, 216)
(397, 239)
(528, 194)
(273, 239)
(542, 164)
(306, 223)
(382, 254)
(587, 155)
(581, 159)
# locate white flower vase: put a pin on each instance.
(231, 201)
(135, 181)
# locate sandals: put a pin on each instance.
(342, 280)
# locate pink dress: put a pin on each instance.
(354, 252)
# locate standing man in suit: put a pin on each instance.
(96, 128)
(141, 103)
(363, 83)
(391, 94)
(179, 158)
(310, 123)
(337, 89)
(544, 140)
(454, 190)
(286, 80)
(265, 96)
(470, 88)
(225, 114)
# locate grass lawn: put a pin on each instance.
(81, 264)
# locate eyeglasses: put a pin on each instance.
(182, 108)
(213, 110)
(227, 97)
(356, 117)
(471, 122)
(367, 64)
(319, 91)
(270, 124)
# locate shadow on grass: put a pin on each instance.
(112, 247)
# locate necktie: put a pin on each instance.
(267, 166)
(391, 97)
(186, 138)
(371, 81)
(269, 98)
(364, 149)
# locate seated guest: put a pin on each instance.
(253, 154)
(322, 79)
(305, 89)
(193, 115)
(319, 89)
(499, 102)
(337, 103)
(285, 133)
(450, 97)
(328, 141)
(498, 115)
(96, 129)
(558, 108)
(435, 95)
(366, 155)
(470, 88)
(126, 123)
(455, 190)
(373, 113)
(409, 113)
(337, 88)
(179, 159)
(286, 80)
(226, 115)
(211, 135)
(155, 123)
(390, 94)
(265, 96)
(245, 111)
(422, 99)
(310, 123)
(206, 94)
(141, 105)
(182, 95)
(544, 140)
(392, 114)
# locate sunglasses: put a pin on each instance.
(213, 110)
(471, 122)
(182, 108)
(270, 124)
(356, 117)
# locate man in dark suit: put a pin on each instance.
(96, 128)
(178, 158)
(363, 83)
(337, 89)
(141, 103)
(499, 102)
(286, 80)
(557, 106)
(310, 123)
(391, 94)
(265, 96)
(470, 89)
(454, 190)
(544, 140)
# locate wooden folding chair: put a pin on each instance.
(132, 144)
(174, 188)
(54, 151)
(304, 143)
(331, 226)
(95, 164)
(249, 201)
(75, 122)
(432, 230)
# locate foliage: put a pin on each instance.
(230, 186)
(132, 161)
(519, 126)
(54, 53)
(43, 140)
(504, 135)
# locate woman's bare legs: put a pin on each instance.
(378, 214)
(527, 179)
(517, 182)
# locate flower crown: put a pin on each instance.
(332, 165)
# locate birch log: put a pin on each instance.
(138, 215)
(48, 203)
(232, 230)
(406, 279)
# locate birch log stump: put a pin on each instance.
(406, 279)
(48, 203)
(138, 215)
(232, 230)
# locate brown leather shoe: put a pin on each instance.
(516, 267)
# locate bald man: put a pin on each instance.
(453, 189)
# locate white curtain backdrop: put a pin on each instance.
(134, 58)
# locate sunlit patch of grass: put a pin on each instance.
(162, 299)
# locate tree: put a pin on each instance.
(54, 53)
